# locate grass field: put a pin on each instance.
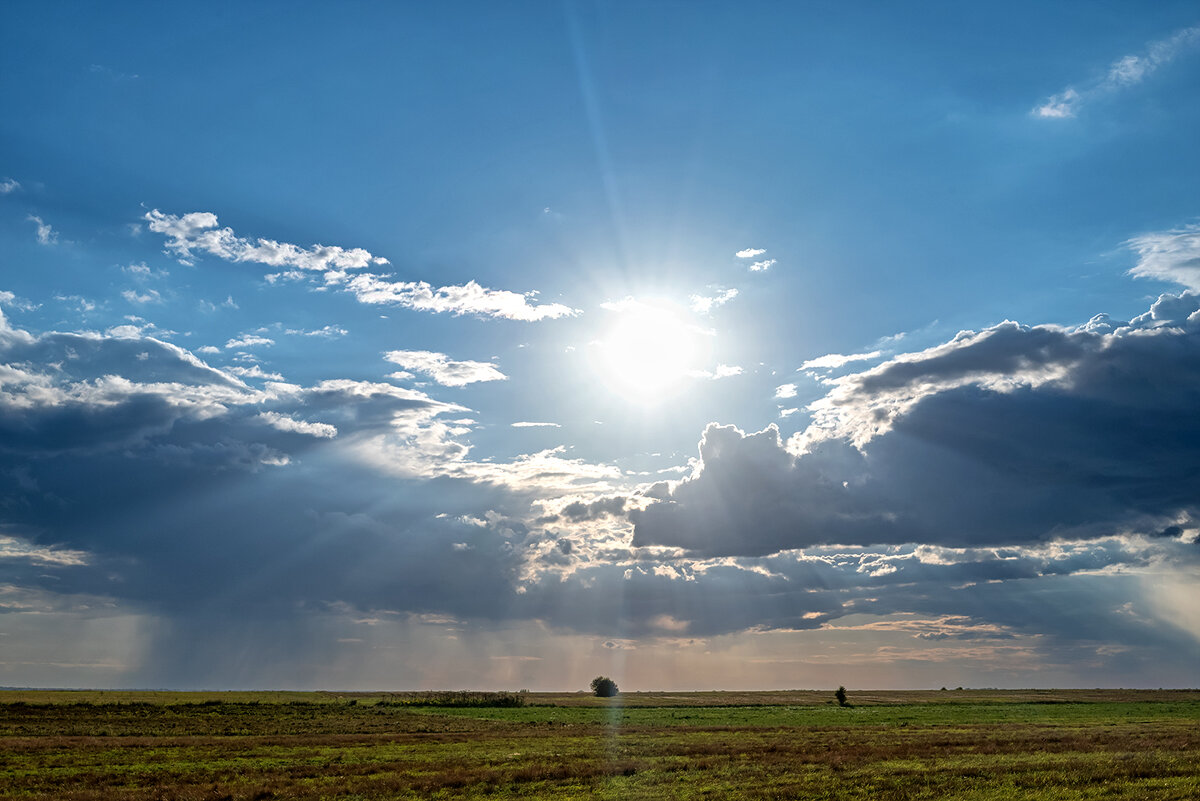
(886, 745)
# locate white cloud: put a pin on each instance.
(140, 270)
(282, 422)
(1169, 256)
(1059, 106)
(761, 266)
(9, 185)
(10, 299)
(253, 372)
(444, 370)
(45, 234)
(469, 298)
(704, 305)
(832, 361)
(209, 349)
(325, 332)
(287, 275)
(149, 296)
(197, 232)
(785, 391)
(535, 425)
(249, 341)
(750, 253)
(722, 371)
(1125, 72)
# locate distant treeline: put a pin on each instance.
(464, 698)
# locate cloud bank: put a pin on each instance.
(1010, 436)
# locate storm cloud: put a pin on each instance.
(1011, 435)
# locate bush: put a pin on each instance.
(604, 687)
(840, 695)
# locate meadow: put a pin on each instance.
(961, 744)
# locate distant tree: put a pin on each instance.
(604, 687)
(840, 695)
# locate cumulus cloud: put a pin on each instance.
(444, 370)
(337, 503)
(1123, 73)
(989, 439)
(785, 391)
(8, 185)
(750, 253)
(760, 266)
(45, 234)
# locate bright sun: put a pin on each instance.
(648, 353)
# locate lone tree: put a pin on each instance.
(604, 687)
(840, 695)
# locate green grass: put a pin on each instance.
(320, 746)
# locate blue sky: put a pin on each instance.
(700, 345)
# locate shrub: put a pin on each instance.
(604, 687)
(840, 695)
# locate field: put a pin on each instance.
(886, 745)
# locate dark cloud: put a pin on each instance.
(249, 523)
(1013, 435)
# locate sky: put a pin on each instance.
(700, 345)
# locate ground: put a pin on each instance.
(963, 744)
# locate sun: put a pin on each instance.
(648, 353)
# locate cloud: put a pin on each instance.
(8, 185)
(1123, 73)
(142, 298)
(722, 371)
(705, 305)
(249, 341)
(342, 505)
(325, 332)
(142, 272)
(535, 425)
(989, 439)
(469, 298)
(247, 372)
(785, 391)
(443, 369)
(45, 234)
(1059, 106)
(284, 423)
(750, 253)
(760, 266)
(197, 233)
(832, 361)
(1169, 256)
